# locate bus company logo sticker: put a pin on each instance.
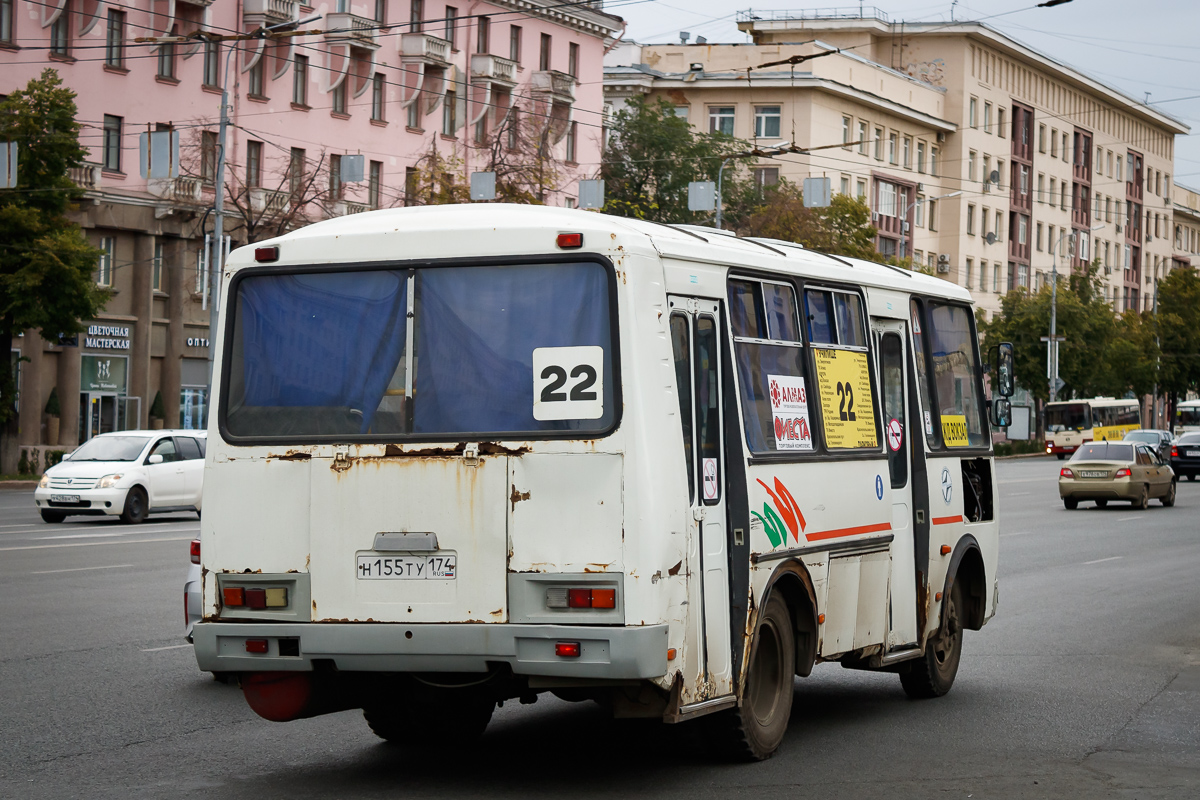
(788, 518)
(710, 478)
(789, 412)
(879, 487)
(947, 486)
(895, 434)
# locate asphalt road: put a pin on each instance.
(1086, 684)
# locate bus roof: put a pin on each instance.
(490, 229)
(1096, 401)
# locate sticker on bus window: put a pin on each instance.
(568, 383)
(847, 402)
(789, 412)
(954, 430)
(709, 468)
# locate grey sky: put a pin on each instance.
(1147, 46)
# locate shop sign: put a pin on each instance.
(103, 374)
(197, 341)
(107, 337)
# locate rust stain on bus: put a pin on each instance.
(291, 455)
(517, 497)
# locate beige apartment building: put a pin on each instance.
(979, 156)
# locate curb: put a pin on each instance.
(18, 485)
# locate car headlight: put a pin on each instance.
(44, 482)
(108, 481)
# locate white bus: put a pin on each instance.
(1071, 423)
(464, 454)
(1187, 416)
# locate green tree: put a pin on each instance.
(842, 228)
(651, 157)
(1179, 333)
(46, 264)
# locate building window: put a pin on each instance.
(1038, 241)
(987, 117)
(377, 97)
(413, 115)
(1119, 162)
(166, 60)
(720, 120)
(254, 79)
(764, 177)
(766, 122)
(112, 143)
(1041, 138)
(300, 81)
(1054, 142)
(339, 98)
(971, 110)
(879, 144)
(907, 151)
(514, 43)
(862, 138)
(450, 34)
(893, 147)
(375, 185)
(844, 188)
(572, 141)
(1022, 229)
(253, 163)
(971, 165)
(6, 21)
(335, 177)
(449, 113)
(999, 225)
(921, 157)
(1000, 122)
(544, 52)
(208, 156)
(114, 42)
(846, 124)
(416, 16)
(573, 60)
(860, 191)
(381, 10)
(887, 199)
(996, 277)
(970, 264)
(933, 215)
(297, 171)
(411, 179)
(987, 173)
(1064, 146)
(919, 217)
(212, 51)
(970, 220)
(157, 268)
(60, 32)
(104, 267)
(483, 34)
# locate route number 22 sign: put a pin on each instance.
(568, 383)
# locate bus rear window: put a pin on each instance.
(1067, 417)
(512, 351)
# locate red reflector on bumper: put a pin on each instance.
(567, 649)
(256, 645)
(233, 596)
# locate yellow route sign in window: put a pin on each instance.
(954, 430)
(847, 403)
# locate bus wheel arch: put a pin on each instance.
(793, 583)
(967, 570)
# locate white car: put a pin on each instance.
(130, 474)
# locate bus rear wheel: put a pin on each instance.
(933, 674)
(760, 722)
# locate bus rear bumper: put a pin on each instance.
(605, 652)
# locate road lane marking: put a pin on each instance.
(1128, 519)
(159, 527)
(88, 536)
(1018, 494)
(78, 569)
(172, 647)
(1018, 533)
(95, 544)
(1102, 560)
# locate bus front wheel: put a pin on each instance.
(760, 722)
(933, 674)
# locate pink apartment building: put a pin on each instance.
(425, 91)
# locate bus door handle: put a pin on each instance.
(699, 512)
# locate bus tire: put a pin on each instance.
(933, 674)
(426, 726)
(760, 722)
(135, 506)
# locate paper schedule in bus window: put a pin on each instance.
(847, 404)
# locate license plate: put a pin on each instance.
(64, 498)
(1193, 453)
(440, 567)
(1088, 473)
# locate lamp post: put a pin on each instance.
(911, 206)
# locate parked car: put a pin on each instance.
(1160, 441)
(130, 474)
(1103, 471)
(1185, 455)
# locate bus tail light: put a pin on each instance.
(256, 598)
(233, 596)
(257, 646)
(1123, 472)
(604, 598)
(560, 597)
(579, 598)
(567, 649)
(1174, 451)
(266, 255)
(570, 241)
(195, 551)
(1065, 473)
(1049, 447)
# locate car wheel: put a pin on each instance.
(1143, 499)
(1071, 503)
(53, 516)
(1101, 503)
(1168, 499)
(136, 506)
(933, 674)
(757, 727)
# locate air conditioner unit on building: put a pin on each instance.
(1118, 227)
(941, 136)
(943, 264)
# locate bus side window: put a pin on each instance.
(681, 347)
(922, 369)
(708, 403)
(891, 361)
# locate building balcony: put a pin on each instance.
(269, 202)
(85, 176)
(558, 86)
(493, 69)
(184, 189)
(341, 208)
(269, 12)
(344, 27)
(356, 208)
(198, 3)
(425, 49)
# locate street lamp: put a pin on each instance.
(1052, 344)
(777, 150)
(911, 206)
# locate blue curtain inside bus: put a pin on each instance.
(476, 330)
